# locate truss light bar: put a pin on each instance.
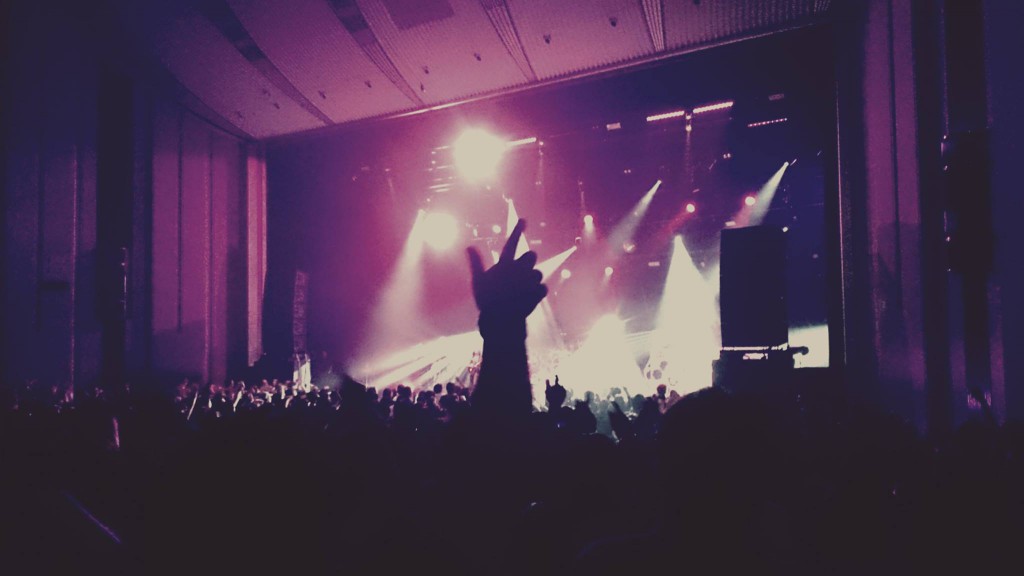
(668, 115)
(713, 107)
(767, 122)
(522, 142)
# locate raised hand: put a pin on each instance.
(512, 287)
(505, 294)
(621, 425)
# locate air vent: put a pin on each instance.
(350, 15)
(408, 14)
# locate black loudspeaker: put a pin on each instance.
(753, 287)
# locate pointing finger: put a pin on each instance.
(509, 251)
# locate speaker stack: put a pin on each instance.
(755, 327)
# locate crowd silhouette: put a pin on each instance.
(271, 477)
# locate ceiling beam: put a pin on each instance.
(501, 19)
(351, 17)
(224, 19)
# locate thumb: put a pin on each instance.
(476, 263)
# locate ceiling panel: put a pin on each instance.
(309, 45)
(203, 60)
(562, 38)
(272, 67)
(444, 55)
(689, 23)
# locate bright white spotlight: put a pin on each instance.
(765, 196)
(686, 336)
(565, 274)
(440, 230)
(608, 271)
(750, 200)
(622, 233)
(548, 266)
(691, 207)
(496, 229)
(477, 154)
(588, 221)
(605, 359)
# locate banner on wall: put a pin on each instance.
(299, 311)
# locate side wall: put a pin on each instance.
(196, 205)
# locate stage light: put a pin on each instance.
(623, 232)
(608, 270)
(713, 107)
(548, 266)
(477, 154)
(767, 122)
(588, 220)
(496, 229)
(759, 204)
(691, 207)
(396, 316)
(685, 336)
(440, 230)
(667, 115)
(522, 142)
(565, 274)
(605, 359)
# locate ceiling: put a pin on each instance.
(265, 68)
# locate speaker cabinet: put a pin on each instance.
(753, 287)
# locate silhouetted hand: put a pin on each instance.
(621, 425)
(511, 288)
(505, 295)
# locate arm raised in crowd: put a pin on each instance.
(505, 294)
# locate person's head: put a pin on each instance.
(662, 390)
(451, 388)
(637, 403)
(713, 451)
(438, 389)
(352, 393)
(449, 402)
